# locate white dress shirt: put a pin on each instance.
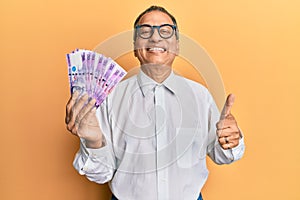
(157, 137)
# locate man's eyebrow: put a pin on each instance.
(156, 25)
(143, 24)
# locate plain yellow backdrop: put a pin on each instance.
(255, 45)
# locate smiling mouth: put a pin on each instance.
(156, 49)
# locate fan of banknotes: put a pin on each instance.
(93, 73)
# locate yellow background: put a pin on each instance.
(255, 45)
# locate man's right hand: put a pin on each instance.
(81, 120)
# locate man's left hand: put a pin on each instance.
(227, 128)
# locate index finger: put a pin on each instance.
(70, 104)
(227, 106)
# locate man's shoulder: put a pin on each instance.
(122, 90)
(127, 81)
(124, 85)
(193, 84)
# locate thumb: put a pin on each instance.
(227, 106)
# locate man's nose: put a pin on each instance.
(155, 36)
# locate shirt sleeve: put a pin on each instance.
(98, 165)
(214, 149)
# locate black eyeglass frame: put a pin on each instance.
(137, 27)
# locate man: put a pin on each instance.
(149, 139)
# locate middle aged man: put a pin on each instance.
(150, 138)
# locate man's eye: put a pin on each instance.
(145, 31)
(165, 31)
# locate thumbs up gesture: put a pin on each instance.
(227, 129)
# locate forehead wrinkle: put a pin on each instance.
(155, 18)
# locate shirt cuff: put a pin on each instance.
(231, 155)
(239, 150)
(90, 160)
(93, 153)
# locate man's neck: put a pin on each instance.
(157, 72)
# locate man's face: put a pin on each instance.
(156, 50)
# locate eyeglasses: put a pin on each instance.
(146, 31)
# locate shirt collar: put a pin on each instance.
(147, 84)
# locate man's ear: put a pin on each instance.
(134, 50)
(135, 55)
(177, 47)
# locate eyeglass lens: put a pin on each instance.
(146, 31)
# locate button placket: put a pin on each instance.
(161, 142)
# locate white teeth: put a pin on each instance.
(156, 49)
